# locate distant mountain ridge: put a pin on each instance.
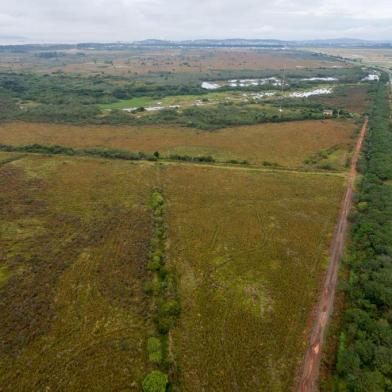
(208, 43)
(264, 42)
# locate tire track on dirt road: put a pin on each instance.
(309, 374)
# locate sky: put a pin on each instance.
(70, 21)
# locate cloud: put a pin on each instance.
(126, 20)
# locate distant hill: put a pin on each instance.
(240, 42)
(349, 42)
(207, 43)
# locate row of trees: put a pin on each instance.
(364, 360)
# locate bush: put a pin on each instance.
(164, 324)
(170, 308)
(271, 164)
(153, 265)
(156, 200)
(152, 288)
(326, 166)
(154, 350)
(155, 381)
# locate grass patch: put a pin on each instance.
(129, 103)
(3, 275)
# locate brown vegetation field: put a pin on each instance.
(250, 250)
(287, 144)
(355, 99)
(144, 61)
(73, 244)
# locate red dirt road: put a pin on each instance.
(309, 375)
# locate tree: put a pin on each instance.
(155, 381)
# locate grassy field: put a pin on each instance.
(352, 98)
(215, 98)
(287, 144)
(250, 250)
(6, 157)
(181, 100)
(74, 240)
(381, 57)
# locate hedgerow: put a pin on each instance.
(162, 289)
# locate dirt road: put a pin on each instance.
(308, 381)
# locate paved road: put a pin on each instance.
(311, 364)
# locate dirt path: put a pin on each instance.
(308, 381)
(252, 168)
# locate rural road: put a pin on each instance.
(308, 381)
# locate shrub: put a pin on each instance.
(326, 166)
(271, 164)
(155, 381)
(152, 288)
(164, 324)
(154, 350)
(156, 200)
(170, 308)
(153, 265)
(157, 256)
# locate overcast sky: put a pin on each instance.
(127, 20)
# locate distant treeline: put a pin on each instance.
(364, 358)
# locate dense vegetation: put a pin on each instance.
(63, 150)
(72, 98)
(226, 115)
(365, 349)
(162, 289)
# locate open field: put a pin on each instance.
(74, 241)
(249, 249)
(155, 60)
(6, 157)
(215, 98)
(192, 240)
(377, 57)
(351, 98)
(287, 144)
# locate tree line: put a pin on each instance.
(364, 358)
